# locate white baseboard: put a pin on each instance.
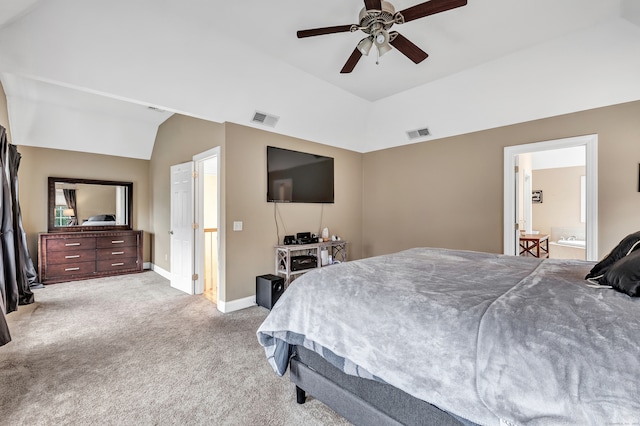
(160, 271)
(147, 265)
(236, 305)
(224, 307)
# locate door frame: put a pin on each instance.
(590, 142)
(199, 160)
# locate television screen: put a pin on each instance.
(298, 177)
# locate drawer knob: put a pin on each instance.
(117, 242)
(72, 269)
(117, 264)
(117, 252)
(71, 244)
(72, 257)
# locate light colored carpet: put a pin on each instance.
(133, 350)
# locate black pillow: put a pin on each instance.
(621, 250)
(624, 275)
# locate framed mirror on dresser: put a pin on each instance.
(90, 231)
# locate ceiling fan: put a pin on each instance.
(376, 18)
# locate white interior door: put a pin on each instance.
(182, 232)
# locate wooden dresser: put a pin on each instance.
(70, 256)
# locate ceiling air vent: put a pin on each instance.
(420, 133)
(266, 119)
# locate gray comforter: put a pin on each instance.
(487, 337)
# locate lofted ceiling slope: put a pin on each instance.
(82, 74)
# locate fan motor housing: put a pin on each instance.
(373, 20)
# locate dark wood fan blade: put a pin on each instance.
(409, 49)
(373, 4)
(351, 62)
(430, 8)
(323, 31)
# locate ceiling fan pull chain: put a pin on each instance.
(377, 56)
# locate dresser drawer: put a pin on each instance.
(116, 264)
(117, 241)
(60, 244)
(70, 256)
(117, 252)
(70, 269)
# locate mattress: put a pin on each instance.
(489, 338)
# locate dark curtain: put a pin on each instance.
(70, 198)
(27, 277)
(17, 272)
(5, 337)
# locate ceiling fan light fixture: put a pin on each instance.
(384, 49)
(381, 39)
(365, 45)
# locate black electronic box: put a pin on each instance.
(299, 263)
(304, 238)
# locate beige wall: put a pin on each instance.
(38, 164)
(442, 193)
(249, 253)
(94, 200)
(449, 192)
(560, 205)
(179, 138)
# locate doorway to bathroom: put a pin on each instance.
(550, 196)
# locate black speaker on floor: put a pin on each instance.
(269, 288)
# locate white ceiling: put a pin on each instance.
(80, 74)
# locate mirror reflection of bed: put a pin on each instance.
(100, 220)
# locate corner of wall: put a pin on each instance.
(4, 112)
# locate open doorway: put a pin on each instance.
(562, 157)
(196, 242)
(559, 209)
(207, 241)
(210, 229)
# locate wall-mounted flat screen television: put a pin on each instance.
(298, 177)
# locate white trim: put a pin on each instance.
(590, 142)
(163, 273)
(236, 305)
(147, 265)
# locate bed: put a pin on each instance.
(100, 220)
(437, 336)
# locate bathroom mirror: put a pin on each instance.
(77, 205)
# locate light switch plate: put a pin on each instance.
(237, 226)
